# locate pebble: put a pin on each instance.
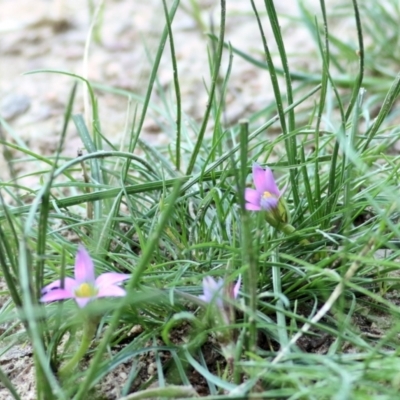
(13, 105)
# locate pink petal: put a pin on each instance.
(259, 178)
(84, 269)
(252, 207)
(82, 301)
(252, 196)
(57, 294)
(270, 184)
(69, 284)
(237, 287)
(110, 278)
(111, 291)
(264, 180)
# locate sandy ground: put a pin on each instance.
(52, 35)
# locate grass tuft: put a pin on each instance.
(317, 316)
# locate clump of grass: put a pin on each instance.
(316, 316)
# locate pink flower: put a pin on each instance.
(213, 291)
(266, 194)
(85, 287)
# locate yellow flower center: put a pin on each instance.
(85, 290)
(267, 195)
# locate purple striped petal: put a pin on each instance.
(212, 290)
(57, 294)
(84, 268)
(110, 278)
(269, 203)
(210, 286)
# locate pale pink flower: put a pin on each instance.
(85, 287)
(266, 194)
(213, 291)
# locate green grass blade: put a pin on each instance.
(177, 90)
(214, 78)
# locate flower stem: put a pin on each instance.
(88, 333)
(277, 286)
(286, 228)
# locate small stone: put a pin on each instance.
(136, 329)
(151, 369)
(13, 105)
